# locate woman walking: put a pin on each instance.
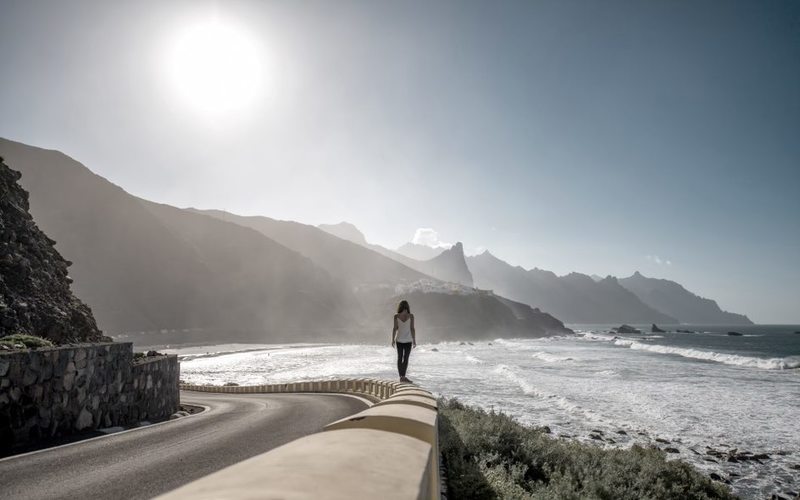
(405, 336)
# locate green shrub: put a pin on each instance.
(27, 341)
(489, 455)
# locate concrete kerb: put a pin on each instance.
(366, 466)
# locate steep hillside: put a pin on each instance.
(147, 267)
(347, 261)
(35, 295)
(575, 298)
(673, 299)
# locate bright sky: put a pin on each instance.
(600, 137)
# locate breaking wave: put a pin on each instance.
(787, 363)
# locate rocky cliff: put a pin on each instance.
(35, 295)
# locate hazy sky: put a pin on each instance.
(600, 137)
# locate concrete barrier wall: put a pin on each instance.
(347, 465)
(388, 451)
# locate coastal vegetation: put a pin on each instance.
(23, 341)
(490, 455)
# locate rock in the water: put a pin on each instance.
(656, 329)
(684, 331)
(626, 329)
(717, 477)
(35, 295)
(672, 450)
(735, 334)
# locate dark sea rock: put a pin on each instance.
(656, 329)
(35, 294)
(735, 334)
(622, 433)
(661, 440)
(672, 450)
(684, 331)
(717, 477)
(626, 329)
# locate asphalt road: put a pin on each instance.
(151, 460)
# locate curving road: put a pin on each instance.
(151, 460)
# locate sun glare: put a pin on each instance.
(215, 67)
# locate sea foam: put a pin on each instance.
(787, 363)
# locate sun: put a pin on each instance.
(215, 67)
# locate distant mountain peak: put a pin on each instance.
(419, 252)
(345, 231)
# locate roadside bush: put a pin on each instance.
(489, 455)
(25, 341)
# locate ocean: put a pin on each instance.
(705, 394)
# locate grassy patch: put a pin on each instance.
(490, 455)
(23, 341)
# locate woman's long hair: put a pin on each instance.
(403, 306)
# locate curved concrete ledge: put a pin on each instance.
(414, 392)
(401, 398)
(410, 420)
(346, 464)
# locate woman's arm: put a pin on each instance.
(413, 333)
(394, 330)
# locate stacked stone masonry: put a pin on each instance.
(63, 390)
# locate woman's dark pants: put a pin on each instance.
(403, 352)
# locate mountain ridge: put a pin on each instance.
(674, 299)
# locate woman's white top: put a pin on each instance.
(404, 330)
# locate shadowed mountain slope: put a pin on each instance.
(348, 261)
(195, 276)
(673, 299)
(142, 266)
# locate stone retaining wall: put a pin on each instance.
(63, 390)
